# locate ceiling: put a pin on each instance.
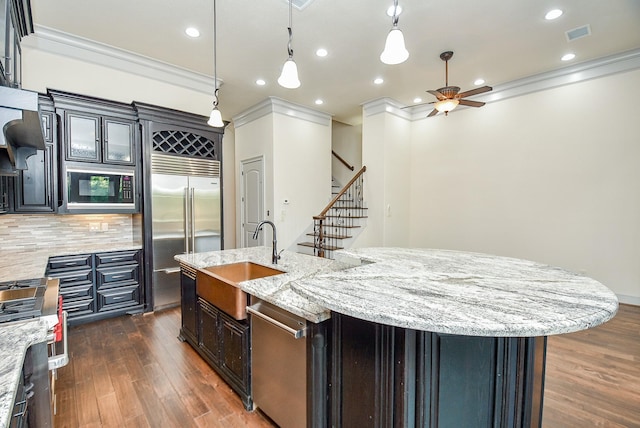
(498, 40)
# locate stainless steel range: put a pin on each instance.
(27, 299)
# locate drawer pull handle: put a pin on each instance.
(117, 276)
(119, 297)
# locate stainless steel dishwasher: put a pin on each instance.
(278, 363)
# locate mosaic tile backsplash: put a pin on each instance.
(29, 232)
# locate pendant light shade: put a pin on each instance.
(289, 76)
(394, 51)
(215, 118)
(446, 105)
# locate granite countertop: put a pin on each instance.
(461, 293)
(15, 338)
(32, 263)
(273, 289)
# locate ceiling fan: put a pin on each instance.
(449, 96)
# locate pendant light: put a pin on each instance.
(289, 76)
(215, 119)
(394, 49)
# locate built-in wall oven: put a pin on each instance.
(34, 402)
(88, 188)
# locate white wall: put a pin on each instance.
(295, 142)
(386, 152)
(346, 141)
(551, 176)
(255, 139)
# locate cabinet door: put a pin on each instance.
(209, 334)
(4, 194)
(82, 137)
(34, 185)
(118, 142)
(188, 301)
(235, 350)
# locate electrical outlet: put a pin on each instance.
(94, 227)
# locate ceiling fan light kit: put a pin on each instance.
(215, 119)
(394, 51)
(449, 97)
(289, 76)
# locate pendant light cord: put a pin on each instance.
(289, 48)
(215, 51)
(394, 20)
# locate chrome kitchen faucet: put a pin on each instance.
(274, 256)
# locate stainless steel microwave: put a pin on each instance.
(89, 189)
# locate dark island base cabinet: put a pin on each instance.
(391, 377)
(220, 340)
(99, 285)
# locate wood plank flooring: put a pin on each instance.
(132, 371)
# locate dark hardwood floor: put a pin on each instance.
(132, 371)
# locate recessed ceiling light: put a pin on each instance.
(553, 14)
(568, 57)
(260, 82)
(390, 10)
(319, 101)
(478, 82)
(378, 81)
(192, 32)
(417, 100)
(321, 52)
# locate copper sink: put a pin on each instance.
(18, 294)
(219, 285)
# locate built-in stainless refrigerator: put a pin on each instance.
(186, 213)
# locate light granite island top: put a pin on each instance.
(273, 289)
(15, 338)
(460, 293)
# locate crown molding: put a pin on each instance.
(601, 67)
(68, 45)
(280, 106)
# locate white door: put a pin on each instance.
(252, 202)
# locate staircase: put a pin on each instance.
(340, 221)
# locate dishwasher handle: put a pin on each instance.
(297, 334)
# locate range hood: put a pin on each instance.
(21, 134)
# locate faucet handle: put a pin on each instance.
(278, 255)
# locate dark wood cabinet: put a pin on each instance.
(99, 138)
(15, 23)
(100, 285)
(35, 189)
(221, 341)
(188, 302)
(4, 194)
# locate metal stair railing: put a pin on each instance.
(339, 216)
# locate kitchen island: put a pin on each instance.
(434, 337)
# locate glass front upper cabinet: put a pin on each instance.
(94, 138)
(118, 141)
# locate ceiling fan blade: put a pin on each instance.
(437, 94)
(433, 113)
(471, 103)
(475, 91)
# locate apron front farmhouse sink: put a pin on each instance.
(219, 285)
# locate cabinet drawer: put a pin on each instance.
(120, 257)
(69, 262)
(78, 307)
(116, 298)
(76, 292)
(74, 278)
(114, 276)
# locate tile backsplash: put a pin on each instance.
(35, 231)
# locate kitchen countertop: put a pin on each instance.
(460, 293)
(15, 338)
(441, 291)
(27, 264)
(273, 289)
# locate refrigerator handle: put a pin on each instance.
(193, 220)
(187, 226)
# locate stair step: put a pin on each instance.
(331, 236)
(347, 207)
(325, 247)
(340, 226)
